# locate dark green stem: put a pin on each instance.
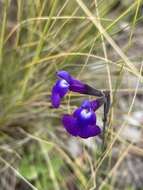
(106, 110)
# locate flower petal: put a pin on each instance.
(63, 91)
(70, 124)
(77, 112)
(89, 131)
(85, 117)
(55, 99)
(61, 87)
(86, 104)
(64, 75)
(59, 90)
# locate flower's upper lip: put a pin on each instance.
(64, 75)
(86, 104)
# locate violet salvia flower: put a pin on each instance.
(82, 122)
(63, 85)
(68, 83)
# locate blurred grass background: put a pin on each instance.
(101, 43)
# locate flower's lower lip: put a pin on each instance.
(75, 128)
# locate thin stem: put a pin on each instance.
(104, 98)
(106, 110)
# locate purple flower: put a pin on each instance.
(82, 122)
(63, 85)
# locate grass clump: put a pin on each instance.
(97, 42)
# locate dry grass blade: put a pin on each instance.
(18, 174)
(107, 37)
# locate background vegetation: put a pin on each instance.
(101, 43)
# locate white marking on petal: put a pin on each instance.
(64, 83)
(85, 113)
